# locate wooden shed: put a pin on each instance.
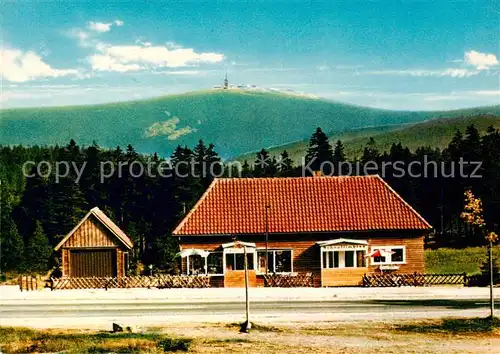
(96, 247)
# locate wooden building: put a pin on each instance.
(96, 247)
(335, 228)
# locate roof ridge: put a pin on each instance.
(95, 211)
(297, 177)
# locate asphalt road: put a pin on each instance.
(157, 312)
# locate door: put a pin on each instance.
(92, 263)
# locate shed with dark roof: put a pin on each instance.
(96, 247)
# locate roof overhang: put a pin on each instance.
(342, 240)
(238, 244)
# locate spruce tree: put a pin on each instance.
(319, 150)
(285, 164)
(371, 155)
(265, 165)
(38, 250)
(12, 246)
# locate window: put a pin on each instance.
(283, 263)
(278, 261)
(196, 265)
(236, 261)
(261, 256)
(344, 259)
(390, 255)
(214, 263)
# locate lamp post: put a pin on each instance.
(267, 236)
(248, 325)
(491, 238)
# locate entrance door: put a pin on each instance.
(92, 263)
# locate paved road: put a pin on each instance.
(156, 312)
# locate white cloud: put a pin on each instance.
(135, 57)
(481, 61)
(106, 63)
(19, 66)
(450, 72)
(184, 72)
(102, 27)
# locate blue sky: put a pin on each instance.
(417, 55)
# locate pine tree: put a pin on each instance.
(285, 164)
(265, 165)
(319, 150)
(12, 246)
(338, 153)
(246, 171)
(38, 250)
(371, 156)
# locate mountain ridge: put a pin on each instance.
(236, 121)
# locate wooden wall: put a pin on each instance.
(92, 235)
(236, 279)
(306, 254)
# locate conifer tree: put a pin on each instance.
(12, 246)
(319, 150)
(285, 164)
(38, 250)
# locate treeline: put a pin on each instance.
(37, 212)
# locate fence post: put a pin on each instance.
(465, 279)
(364, 280)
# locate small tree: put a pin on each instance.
(38, 251)
(12, 247)
(473, 215)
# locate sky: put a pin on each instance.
(403, 55)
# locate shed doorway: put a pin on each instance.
(93, 263)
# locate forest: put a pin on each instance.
(38, 211)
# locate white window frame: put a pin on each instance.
(188, 265)
(273, 250)
(234, 252)
(223, 264)
(388, 248)
(342, 257)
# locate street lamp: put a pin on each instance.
(267, 236)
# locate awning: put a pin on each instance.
(238, 244)
(342, 240)
(192, 252)
(379, 253)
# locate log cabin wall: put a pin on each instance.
(89, 248)
(91, 233)
(306, 254)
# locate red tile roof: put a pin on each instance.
(305, 204)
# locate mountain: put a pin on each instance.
(235, 121)
(436, 133)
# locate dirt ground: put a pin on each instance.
(453, 335)
(360, 337)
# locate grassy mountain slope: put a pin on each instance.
(235, 121)
(433, 133)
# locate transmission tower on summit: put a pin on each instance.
(226, 82)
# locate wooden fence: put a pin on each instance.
(158, 281)
(28, 282)
(416, 279)
(289, 280)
